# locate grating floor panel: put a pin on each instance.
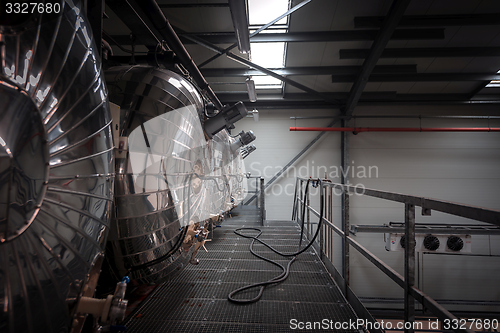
(285, 292)
(196, 299)
(255, 264)
(245, 254)
(291, 236)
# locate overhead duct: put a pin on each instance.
(56, 178)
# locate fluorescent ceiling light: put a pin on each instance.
(252, 94)
(240, 22)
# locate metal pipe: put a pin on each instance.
(160, 22)
(399, 117)
(395, 129)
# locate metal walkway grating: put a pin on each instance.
(196, 299)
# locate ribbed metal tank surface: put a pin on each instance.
(196, 301)
(56, 168)
(170, 178)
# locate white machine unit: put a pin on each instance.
(431, 243)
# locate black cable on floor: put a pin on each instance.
(286, 271)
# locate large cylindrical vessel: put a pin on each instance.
(170, 178)
(56, 169)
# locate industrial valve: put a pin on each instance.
(109, 310)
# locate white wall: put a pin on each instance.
(459, 167)
(276, 146)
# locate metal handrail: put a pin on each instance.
(407, 282)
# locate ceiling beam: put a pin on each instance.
(431, 20)
(435, 52)
(301, 97)
(320, 36)
(391, 21)
(309, 36)
(263, 70)
(194, 5)
(479, 88)
(293, 83)
(304, 101)
(420, 77)
(316, 70)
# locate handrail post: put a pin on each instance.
(256, 187)
(344, 161)
(409, 310)
(308, 216)
(301, 206)
(346, 226)
(321, 235)
(262, 202)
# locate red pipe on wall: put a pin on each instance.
(396, 129)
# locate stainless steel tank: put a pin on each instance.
(170, 178)
(56, 170)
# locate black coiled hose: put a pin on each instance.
(285, 271)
